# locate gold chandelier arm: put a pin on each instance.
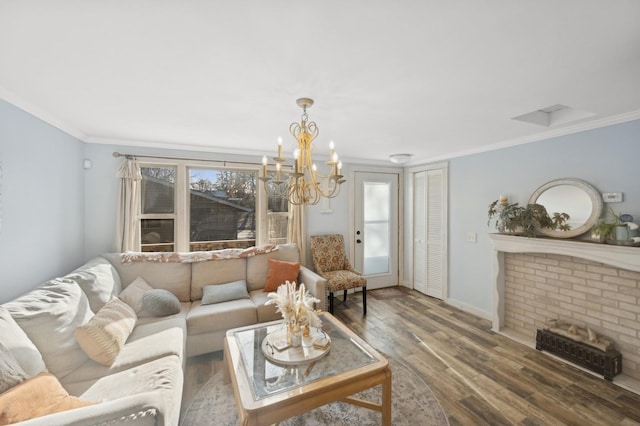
(305, 185)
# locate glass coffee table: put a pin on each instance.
(268, 392)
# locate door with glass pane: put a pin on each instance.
(375, 237)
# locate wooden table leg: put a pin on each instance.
(386, 399)
(226, 362)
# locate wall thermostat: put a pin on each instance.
(612, 197)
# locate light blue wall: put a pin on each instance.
(46, 196)
(42, 202)
(608, 158)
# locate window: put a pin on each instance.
(157, 209)
(222, 209)
(277, 218)
(199, 207)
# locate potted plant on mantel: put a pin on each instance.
(620, 229)
(515, 219)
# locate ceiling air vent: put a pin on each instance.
(553, 115)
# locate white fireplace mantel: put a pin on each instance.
(623, 257)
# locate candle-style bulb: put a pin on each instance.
(264, 160)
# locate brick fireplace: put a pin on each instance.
(588, 284)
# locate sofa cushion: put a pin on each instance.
(104, 335)
(49, 315)
(132, 295)
(160, 303)
(35, 397)
(162, 376)
(257, 266)
(11, 373)
(216, 272)
(175, 277)
(146, 343)
(21, 347)
(280, 272)
(218, 293)
(265, 312)
(220, 316)
(99, 280)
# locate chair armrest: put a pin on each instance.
(354, 271)
(315, 284)
(139, 409)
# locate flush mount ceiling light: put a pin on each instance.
(400, 158)
(304, 185)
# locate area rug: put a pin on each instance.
(413, 403)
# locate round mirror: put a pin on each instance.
(579, 199)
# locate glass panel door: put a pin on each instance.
(376, 228)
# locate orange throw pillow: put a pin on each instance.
(35, 397)
(279, 272)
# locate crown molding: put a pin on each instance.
(568, 130)
(41, 114)
(64, 126)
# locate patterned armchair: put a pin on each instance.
(330, 261)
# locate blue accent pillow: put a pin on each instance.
(160, 303)
(218, 293)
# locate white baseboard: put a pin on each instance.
(468, 308)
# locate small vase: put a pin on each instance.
(623, 233)
(295, 337)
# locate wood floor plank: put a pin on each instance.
(479, 377)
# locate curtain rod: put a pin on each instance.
(117, 154)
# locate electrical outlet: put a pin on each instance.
(612, 197)
(472, 237)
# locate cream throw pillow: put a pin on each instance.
(103, 337)
(132, 296)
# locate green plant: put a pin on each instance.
(604, 228)
(510, 217)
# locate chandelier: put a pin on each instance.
(304, 184)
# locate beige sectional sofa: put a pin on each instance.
(144, 383)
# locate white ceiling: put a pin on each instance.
(433, 78)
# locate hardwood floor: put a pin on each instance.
(478, 376)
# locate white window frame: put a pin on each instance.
(182, 200)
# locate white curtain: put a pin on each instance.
(128, 206)
(296, 230)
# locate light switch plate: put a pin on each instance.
(612, 197)
(472, 237)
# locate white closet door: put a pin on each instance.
(429, 274)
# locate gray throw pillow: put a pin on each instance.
(160, 303)
(10, 371)
(217, 293)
